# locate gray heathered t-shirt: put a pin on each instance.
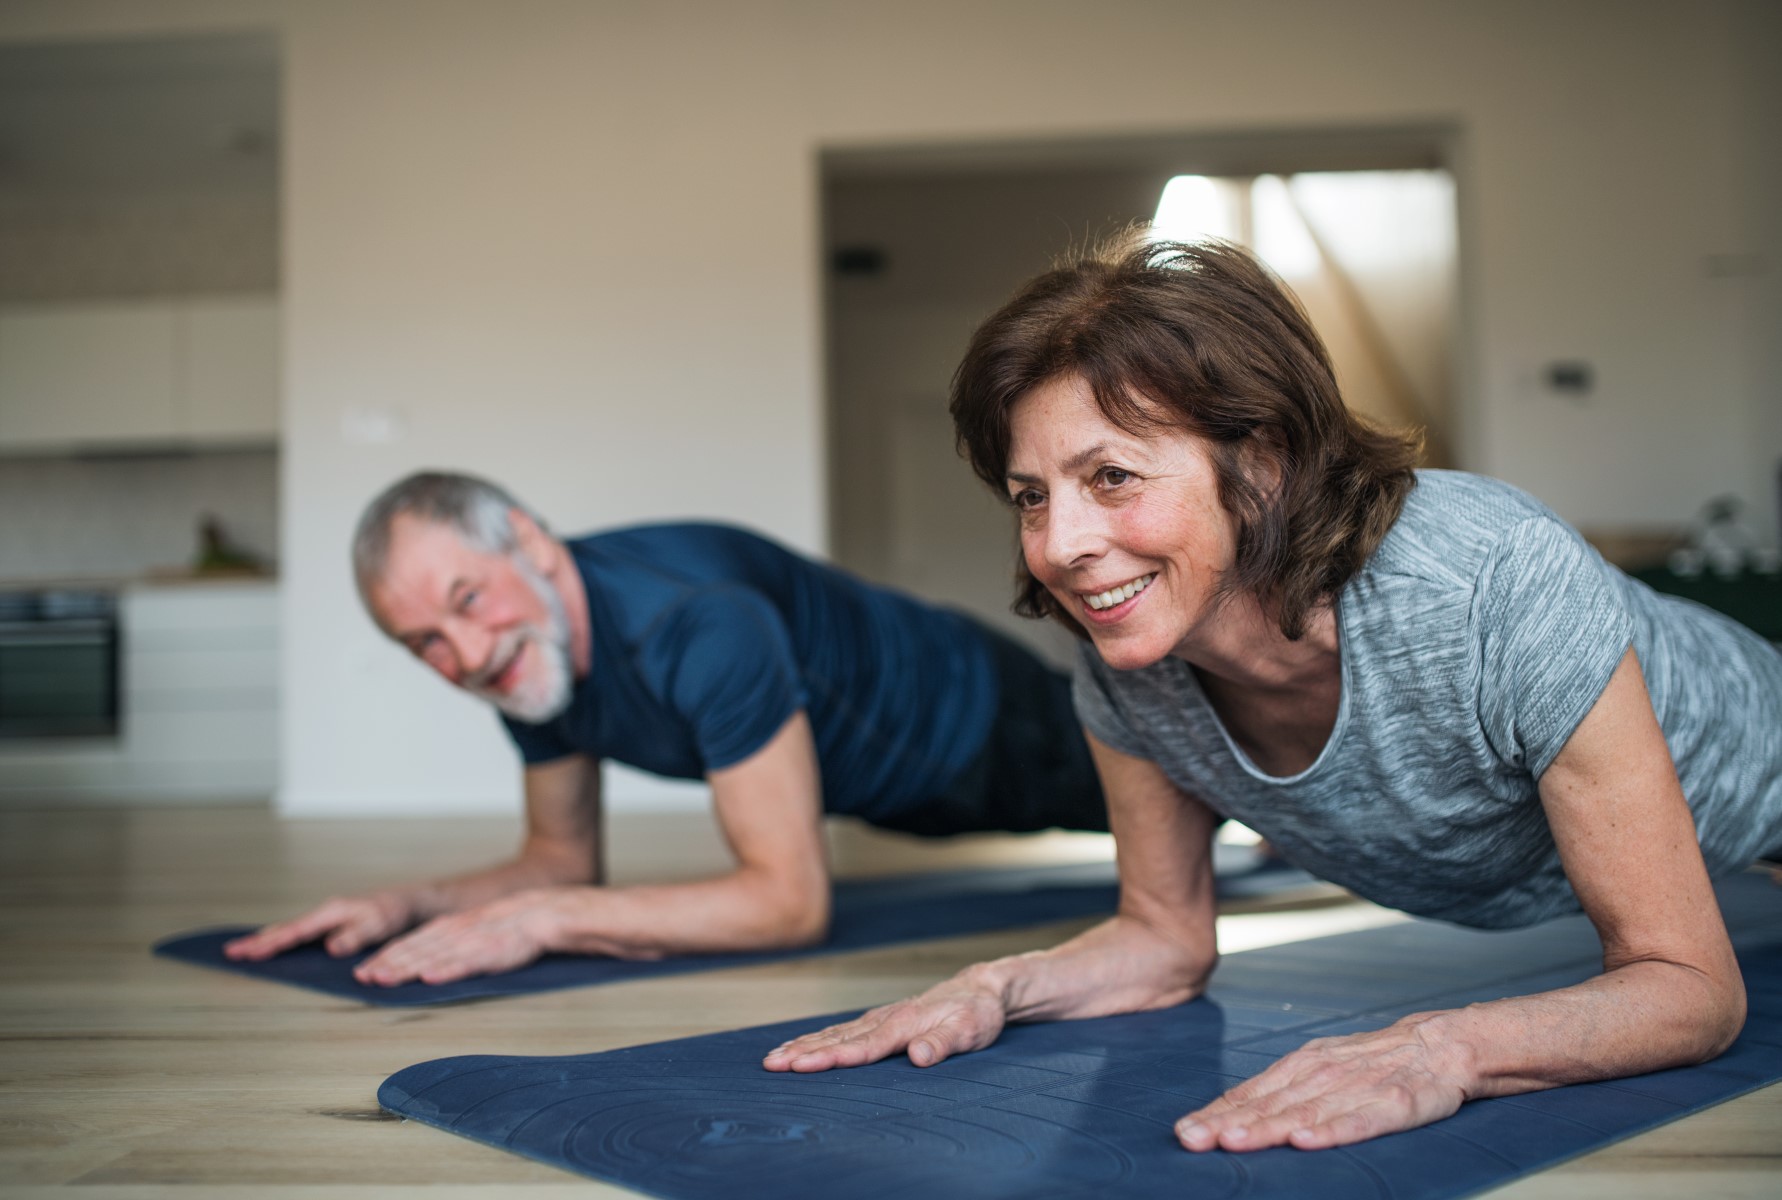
(1474, 641)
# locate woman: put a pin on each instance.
(1422, 686)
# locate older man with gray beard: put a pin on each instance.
(690, 651)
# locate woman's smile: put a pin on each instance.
(1111, 603)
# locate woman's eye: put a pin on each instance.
(468, 599)
(1027, 498)
(1114, 476)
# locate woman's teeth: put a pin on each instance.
(1120, 594)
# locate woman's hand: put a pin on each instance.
(1334, 1091)
(966, 1012)
(1157, 951)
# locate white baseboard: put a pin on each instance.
(625, 790)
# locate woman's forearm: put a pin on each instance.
(1643, 1016)
(1121, 965)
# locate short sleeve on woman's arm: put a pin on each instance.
(1097, 696)
(1551, 627)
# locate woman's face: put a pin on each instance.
(1126, 531)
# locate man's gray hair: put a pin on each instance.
(477, 510)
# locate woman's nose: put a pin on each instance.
(1074, 532)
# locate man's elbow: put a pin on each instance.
(801, 921)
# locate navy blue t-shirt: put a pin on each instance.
(706, 639)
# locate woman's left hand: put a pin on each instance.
(1338, 1090)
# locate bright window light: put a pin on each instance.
(1194, 207)
(1282, 239)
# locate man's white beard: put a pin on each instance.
(546, 691)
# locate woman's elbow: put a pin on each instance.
(1725, 1020)
(1710, 1016)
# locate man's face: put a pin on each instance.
(491, 624)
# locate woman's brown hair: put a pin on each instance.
(1200, 337)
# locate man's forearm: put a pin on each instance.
(744, 910)
(531, 869)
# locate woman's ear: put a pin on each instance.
(1263, 462)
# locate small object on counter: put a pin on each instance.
(1724, 567)
(218, 556)
(1685, 563)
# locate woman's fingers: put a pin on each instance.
(867, 1038)
(1356, 1125)
(1330, 1093)
(950, 1019)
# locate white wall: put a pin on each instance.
(1757, 33)
(574, 245)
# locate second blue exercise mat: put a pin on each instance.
(869, 913)
(1082, 1110)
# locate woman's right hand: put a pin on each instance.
(349, 924)
(964, 1013)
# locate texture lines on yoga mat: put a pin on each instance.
(1084, 1109)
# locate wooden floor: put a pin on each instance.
(122, 1075)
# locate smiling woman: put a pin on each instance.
(1214, 346)
(1420, 685)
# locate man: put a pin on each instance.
(691, 651)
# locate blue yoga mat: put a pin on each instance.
(867, 914)
(1084, 1109)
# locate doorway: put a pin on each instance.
(922, 243)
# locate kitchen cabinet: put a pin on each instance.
(230, 375)
(119, 375)
(72, 373)
(199, 705)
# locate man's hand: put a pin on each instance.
(1334, 1091)
(485, 940)
(957, 1015)
(349, 924)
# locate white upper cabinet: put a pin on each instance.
(231, 367)
(87, 372)
(117, 374)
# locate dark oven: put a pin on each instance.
(58, 664)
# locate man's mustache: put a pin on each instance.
(499, 660)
